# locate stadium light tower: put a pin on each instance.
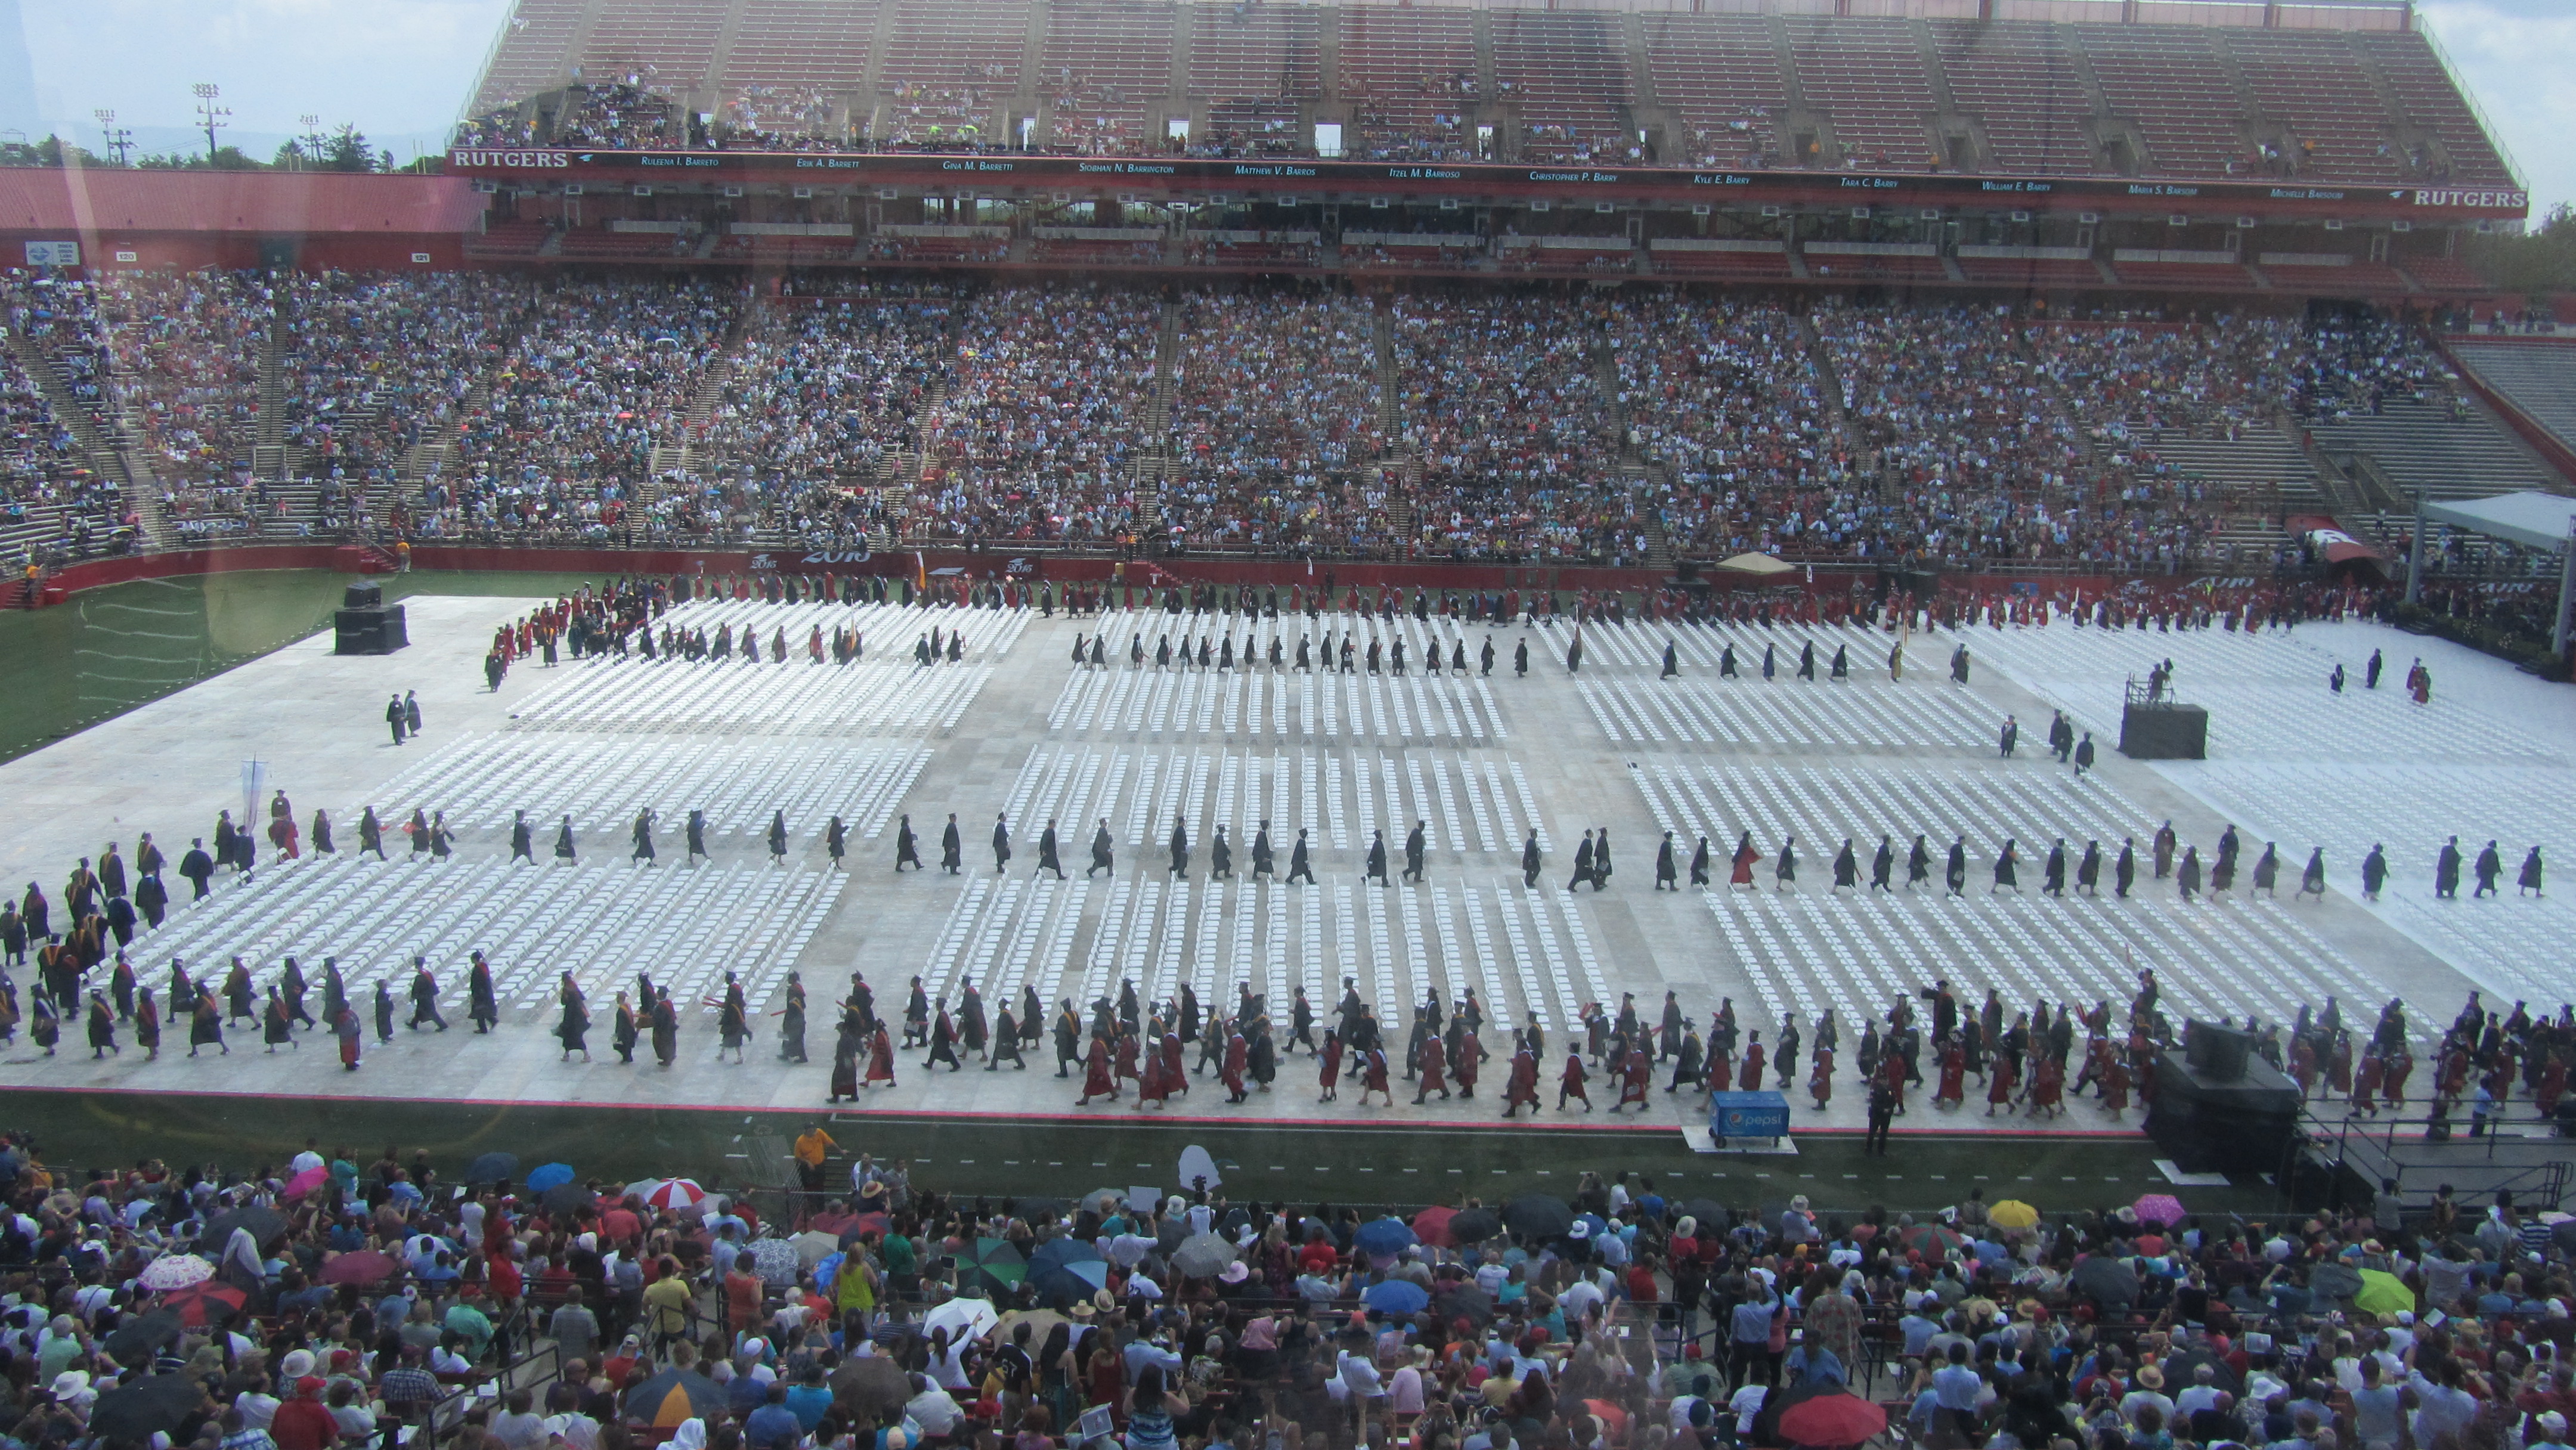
(312, 138)
(119, 140)
(209, 114)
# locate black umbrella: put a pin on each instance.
(154, 1405)
(1170, 1234)
(1465, 1300)
(137, 1340)
(493, 1168)
(2334, 1282)
(266, 1226)
(2107, 1281)
(1538, 1216)
(2181, 1371)
(1474, 1225)
(871, 1387)
(1710, 1213)
(566, 1198)
(1038, 1210)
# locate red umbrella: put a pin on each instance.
(1432, 1227)
(1829, 1420)
(199, 1304)
(365, 1266)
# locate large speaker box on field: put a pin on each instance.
(2241, 1125)
(2217, 1051)
(2164, 732)
(365, 624)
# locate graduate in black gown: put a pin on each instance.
(573, 1028)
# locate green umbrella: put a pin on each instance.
(992, 1264)
(2382, 1293)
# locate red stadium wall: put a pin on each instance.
(1828, 581)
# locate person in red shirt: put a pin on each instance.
(304, 1422)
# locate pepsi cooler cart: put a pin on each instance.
(1747, 1115)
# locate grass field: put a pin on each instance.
(105, 651)
(1396, 1166)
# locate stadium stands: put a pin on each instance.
(1042, 435)
(1275, 425)
(1869, 76)
(1544, 422)
(1721, 74)
(946, 67)
(2170, 82)
(2435, 102)
(1411, 77)
(1105, 72)
(2540, 379)
(2020, 83)
(1567, 72)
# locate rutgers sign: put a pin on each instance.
(510, 160)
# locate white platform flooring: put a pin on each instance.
(1018, 728)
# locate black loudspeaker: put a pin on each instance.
(2217, 1051)
(2164, 732)
(363, 594)
(377, 631)
(2242, 1125)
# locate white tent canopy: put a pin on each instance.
(2543, 521)
(2533, 520)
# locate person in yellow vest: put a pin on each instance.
(811, 1145)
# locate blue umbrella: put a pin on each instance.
(549, 1176)
(1593, 1225)
(1396, 1296)
(1069, 1283)
(1381, 1236)
(1058, 1253)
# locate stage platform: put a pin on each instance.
(1016, 728)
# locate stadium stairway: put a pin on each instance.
(2449, 451)
(104, 447)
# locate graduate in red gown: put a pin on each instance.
(1953, 1090)
(1465, 1058)
(1152, 1085)
(1238, 1055)
(1175, 1078)
(1521, 1084)
(1127, 1065)
(1820, 1078)
(881, 1058)
(2047, 1087)
(1373, 1077)
(1571, 1084)
(1999, 1087)
(2392, 1076)
(1332, 1060)
(1099, 1080)
(2365, 1083)
(1745, 857)
(1429, 1063)
(1750, 1080)
(1638, 1072)
(2339, 1066)
(2115, 1086)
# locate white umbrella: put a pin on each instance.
(962, 1318)
(176, 1271)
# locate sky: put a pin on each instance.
(398, 69)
